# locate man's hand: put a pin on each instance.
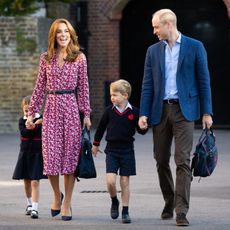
(207, 121)
(143, 124)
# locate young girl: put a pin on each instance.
(30, 163)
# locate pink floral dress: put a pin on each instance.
(61, 133)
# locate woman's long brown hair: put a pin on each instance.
(73, 48)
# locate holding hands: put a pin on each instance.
(95, 150)
(30, 124)
(38, 122)
(143, 124)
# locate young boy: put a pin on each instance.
(121, 121)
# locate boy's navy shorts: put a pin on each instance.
(122, 161)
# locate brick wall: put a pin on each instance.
(103, 50)
(103, 57)
(18, 71)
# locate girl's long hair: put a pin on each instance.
(73, 48)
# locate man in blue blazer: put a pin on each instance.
(175, 92)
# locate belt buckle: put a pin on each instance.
(52, 92)
(170, 101)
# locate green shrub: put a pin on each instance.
(25, 44)
(17, 7)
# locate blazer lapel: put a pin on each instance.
(183, 49)
(162, 58)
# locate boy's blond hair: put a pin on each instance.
(121, 86)
(25, 101)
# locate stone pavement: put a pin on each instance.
(209, 206)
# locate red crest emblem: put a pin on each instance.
(130, 117)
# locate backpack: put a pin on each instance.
(205, 156)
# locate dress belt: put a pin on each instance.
(62, 91)
(27, 139)
(171, 101)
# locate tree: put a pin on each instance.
(17, 7)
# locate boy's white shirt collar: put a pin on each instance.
(37, 115)
(126, 107)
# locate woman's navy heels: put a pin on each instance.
(67, 218)
(55, 212)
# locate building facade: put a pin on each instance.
(115, 35)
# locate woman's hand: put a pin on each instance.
(38, 122)
(86, 123)
(31, 126)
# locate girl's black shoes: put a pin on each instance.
(28, 210)
(34, 214)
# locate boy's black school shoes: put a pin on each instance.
(114, 211)
(126, 219)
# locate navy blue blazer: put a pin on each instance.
(192, 78)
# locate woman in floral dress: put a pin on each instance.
(63, 78)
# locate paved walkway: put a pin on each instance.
(209, 206)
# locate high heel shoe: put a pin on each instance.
(67, 218)
(55, 212)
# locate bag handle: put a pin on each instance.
(86, 133)
(206, 132)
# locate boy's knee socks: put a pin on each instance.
(114, 200)
(125, 210)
